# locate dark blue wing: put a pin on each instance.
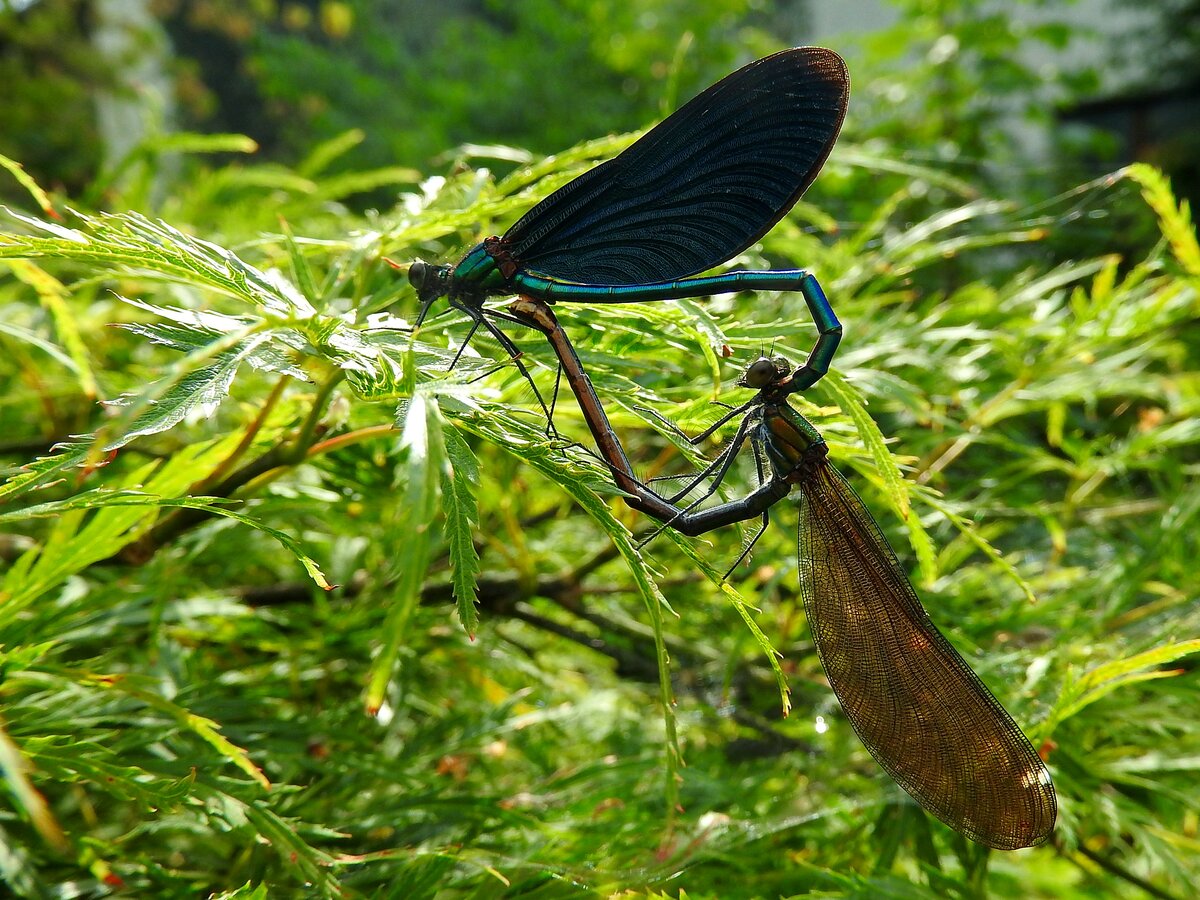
(700, 187)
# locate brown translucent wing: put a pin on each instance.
(913, 701)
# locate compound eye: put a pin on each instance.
(760, 373)
(417, 273)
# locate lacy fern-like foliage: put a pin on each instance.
(288, 606)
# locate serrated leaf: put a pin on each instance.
(923, 549)
(199, 392)
(534, 451)
(301, 270)
(424, 468)
(972, 534)
(851, 403)
(53, 296)
(764, 643)
(313, 863)
(204, 728)
(68, 759)
(131, 243)
(1108, 677)
(702, 321)
(462, 516)
(1174, 217)
(196, 330)
(689, 546)
(259, 822)
(18, 172)
(248, 891)
(74, 543)
(46, 469)
(104, 498)
(200, 320)
(119, 517)
(16, 773)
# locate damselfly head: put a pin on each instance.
(430, 283)
(764, 371)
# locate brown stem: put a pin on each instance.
(280, 457)
(1114, 868)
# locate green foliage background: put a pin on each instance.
(503, 694)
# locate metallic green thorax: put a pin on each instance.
(480, 270)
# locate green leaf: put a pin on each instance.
(1102, 680)
(580, 485)
(76, 542)
(346, 185)
(425, 469)
(1174, 217)
(459, 483)
(194, 142)
(204, 728)
(36, 340)
(133, 244)
(255, 820)
(103, 498)
(18, 172)
(54, 297)
(67, 759)
(198, 393)
(16, 774)
(46, 469)
(849, 155)
(248, 891)
(973, 535)
(853, 405)
(301, 270)
(326, 152)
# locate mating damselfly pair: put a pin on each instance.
(696, 190)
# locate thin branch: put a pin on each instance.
(281, 458)
(216, 476)
(1114, 868)
(630, 649)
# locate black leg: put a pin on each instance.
(760, 465)
(480, 317)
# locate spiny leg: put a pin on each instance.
(554, 397)
(516, 355)
(476, 321)
(721, 464)
(718, 469)
(480, 317)
(707, 432)
(703, 436)
(760, 465)
(550, 432)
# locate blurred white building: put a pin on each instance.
(1142, 119)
